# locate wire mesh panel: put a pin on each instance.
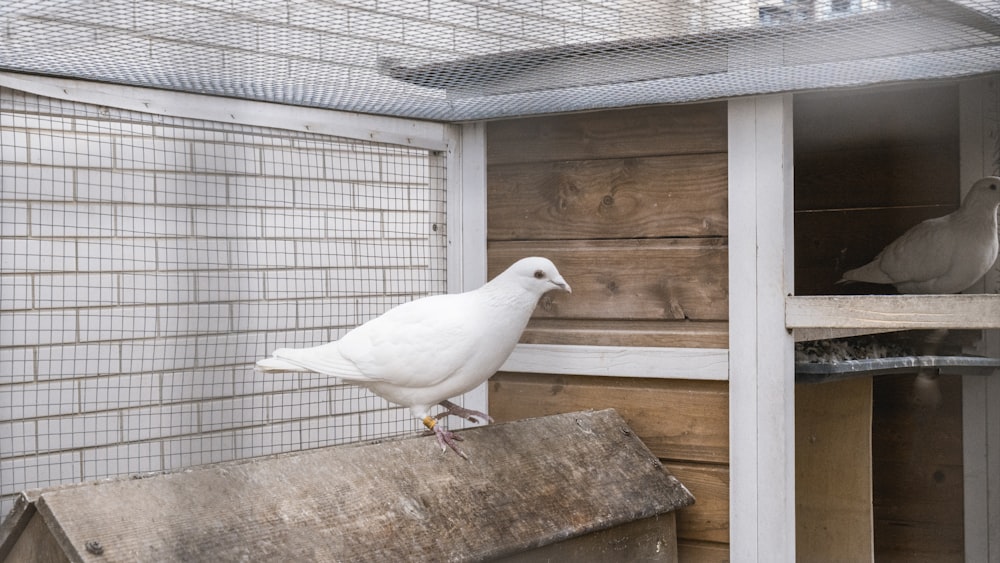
(146, 262)
(477, 59)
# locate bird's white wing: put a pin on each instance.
(419, 343)
(415, 344)
(924, 252)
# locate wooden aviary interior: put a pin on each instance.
(869, 165)
(632, 207)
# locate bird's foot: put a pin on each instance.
(462, 412)
(446, 439)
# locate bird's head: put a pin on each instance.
(984, 193)
(536, 274)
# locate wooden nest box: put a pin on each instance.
(577, 486)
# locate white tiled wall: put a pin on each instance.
(146, 263)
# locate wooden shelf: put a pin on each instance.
(816, 317)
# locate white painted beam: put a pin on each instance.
(466, 226)
(620, 361)
(383, 129)
(761, 367)
(979, 135)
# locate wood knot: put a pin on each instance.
(94, 547)
(608, 200)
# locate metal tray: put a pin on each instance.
(815, 372)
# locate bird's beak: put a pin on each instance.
(561, 284)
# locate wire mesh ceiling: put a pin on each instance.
(455, 60)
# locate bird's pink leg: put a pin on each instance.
(445, 438)
(462, 412)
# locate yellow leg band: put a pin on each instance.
(430, 422)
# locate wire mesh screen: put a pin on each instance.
(146, 262)
(477, 59)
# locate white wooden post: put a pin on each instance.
(979, 122)
(761, 367)
(466, 177)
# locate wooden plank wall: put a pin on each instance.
(917, 471)
(631, 205)
(869, 164)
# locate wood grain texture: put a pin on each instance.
(530, 483)
(678, 420)
(677, 334)
(708, 519)
(670, 279)
(648, 131)
(652, 540)
(14, 522)
(35, 543)
(964, 311)
(833, 475)
(683, 422)
(649, 197)
(917, 470)
(690, 551)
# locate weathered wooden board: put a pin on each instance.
(967, 311)
(668, 196)
(833, 471)
(649, 131)
(669, 279)
(677, 334)
(647, 540)
(679, 420)
(36, 544)
(530, 483)
(690, 551)
(709, 519)
(685, 423)
(917, 470)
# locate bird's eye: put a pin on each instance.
(539, 274)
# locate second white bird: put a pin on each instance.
(941, 255)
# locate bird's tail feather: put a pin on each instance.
(276, 365)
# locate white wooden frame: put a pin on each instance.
(762, 371)
(466, 171)
(620, 361)
(979, 129)
(408, 132)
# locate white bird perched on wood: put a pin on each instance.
(426, 351)
(941, 255)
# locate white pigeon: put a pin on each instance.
(421, 353)
(941, 255)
